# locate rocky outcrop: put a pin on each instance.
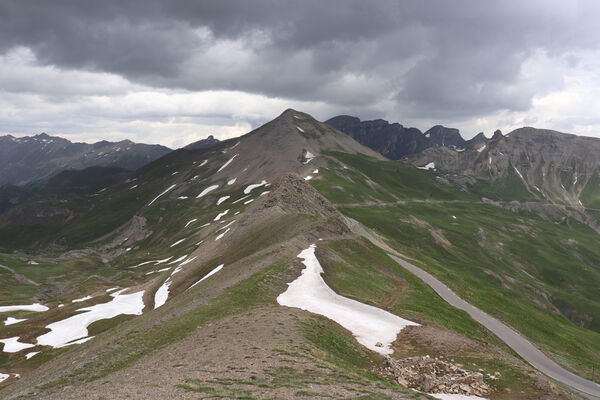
(431, 375)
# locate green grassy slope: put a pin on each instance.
(538, 276)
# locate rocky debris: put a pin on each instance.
(431, 375)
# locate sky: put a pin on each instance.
(173, 72)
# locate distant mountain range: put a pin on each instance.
(32, 160)
(396, 141)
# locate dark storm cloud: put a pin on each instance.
(433, 58)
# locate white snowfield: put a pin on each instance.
(207, 190)
(227, 163)
(249, 188)
(214, 271)
(163, 193)
(12, 321)
(222, 199)
(162, 294)
(67, 331)
(431, 165)
(12, 345)
(448, 396)
(37, 307)
(372, 327)
(221, 215)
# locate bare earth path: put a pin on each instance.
(513, 339)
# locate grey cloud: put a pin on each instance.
(433, 58)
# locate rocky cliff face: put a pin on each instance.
(396, 141)
(547, 165)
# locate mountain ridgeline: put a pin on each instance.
(396, 141)
(32, 160)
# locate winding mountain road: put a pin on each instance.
(513, 339)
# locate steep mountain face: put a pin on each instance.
(395, 141)
(168, 283)
(203, 143)
(526, 164)
(31, 159)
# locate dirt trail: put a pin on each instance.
(21, 278)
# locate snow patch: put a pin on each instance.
(265, 192)
(67, 331)
(162, 294)
(431, 165)
(37, 307)
(307, 178)
(177, 242)
(249, 201)
(158, 271)
(308, 157)
(182, 198)
(163, 193)
(12, 345)
(518, 172)
(249, 188)
(12, 321)
(190, 222)
(482, 148)
(207, 190)
(178, 260)
(370, 325)
(240, 199)
(203, 163)
(220, 215)
(222, 199)
(231, 181)
(29, 355)
(316, 171)
(300, 129)
(4, 377)
(222, 234)
(82, 299)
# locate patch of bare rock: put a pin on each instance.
(431, 375)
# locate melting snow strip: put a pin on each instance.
(182, 198)
(178, 260)
(189, 260)
(222, 234)
(300, 129)
(265, 192)
(249, 188)
(227, 163)
(207, 190)
(214, 271)
(177, 242)
(203, 163)
(164, 260)
(249, 201)
(431, 165)
(226, 226)
(240, 199)
(163, 193)
(158, 271)
(222, 199)
(190, 222)
(372, 327)
(81, 299)
(218, 217)
(29, 355)
(37, 307)
(231, 181)
(482, 148)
